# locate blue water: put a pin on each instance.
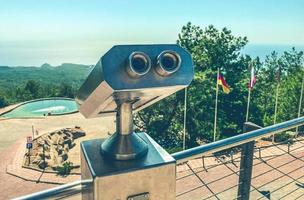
(43, 107)
(16, 56)
(261, 50)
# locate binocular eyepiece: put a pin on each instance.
(139, 64)
(129, 78)
(167, 63)
(142, 74)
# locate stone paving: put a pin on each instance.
(277, 172)
(12, 186)
(13, 134)
(12, 130)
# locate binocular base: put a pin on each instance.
(124, 147)
(150, 177)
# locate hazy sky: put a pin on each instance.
(33, 32)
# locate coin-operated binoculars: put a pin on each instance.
(129, 78)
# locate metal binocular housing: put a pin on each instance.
(129, 78)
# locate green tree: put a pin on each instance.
(290, 86)
(287, 71)
(263, 98)
(32, 87)
(66, 90)
(3, 102)
(210, 49)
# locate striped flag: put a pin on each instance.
(252, 79)
(221, 81)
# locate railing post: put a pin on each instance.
(246, 164)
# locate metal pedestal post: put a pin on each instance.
(124, 144)
(128, 165)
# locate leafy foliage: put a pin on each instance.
(18, 84)
(287, 71)
(65, 169)
(212, 49)
(3, 101)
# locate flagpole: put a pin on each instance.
(276, 107)
(276, 104)
(300, 105)
(248, 104)
(215, 112)
(185, 117)
(249, 94)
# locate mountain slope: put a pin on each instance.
(71, 74)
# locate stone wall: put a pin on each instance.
(51, 149)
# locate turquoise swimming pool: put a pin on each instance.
(43, 107)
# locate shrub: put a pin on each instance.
(65, 169)
(285, 137)
(174, 149)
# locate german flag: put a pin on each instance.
(221, 81)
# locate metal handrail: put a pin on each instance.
(59, 192)
(180, 157)
(234, 141)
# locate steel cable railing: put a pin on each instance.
(237, 140)
(59, 192)
(77, 187)
(229, 192)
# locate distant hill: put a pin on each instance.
(71, 74)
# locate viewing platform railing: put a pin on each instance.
(59, 192)
(246, 138)
(237, 140)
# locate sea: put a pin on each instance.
(262, 50)
(15, 57)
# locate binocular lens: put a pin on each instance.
(139, 64)
(168, 63)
